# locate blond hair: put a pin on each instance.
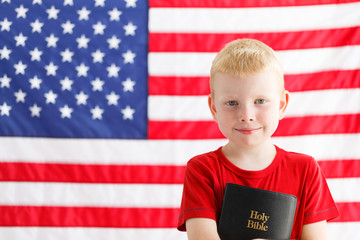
(244, 57)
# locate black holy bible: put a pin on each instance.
(249, 213)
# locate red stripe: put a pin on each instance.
(44, 216)
(183, 130)
(242, 3)
(109, 217)
(188, 86)
(323, 80)
(332, 124)
(349, 168)
(173, 85)
(194, 42)
(34, 172)
(81, 173)
(349, 212)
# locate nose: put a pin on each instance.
(246, 114)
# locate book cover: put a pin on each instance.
(249, 213)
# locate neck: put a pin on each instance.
(252, 159)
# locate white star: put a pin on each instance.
(20, 96)
(130, 3)
(8, 1)
(20, 40)
(83, 14)
(82, 70)
(82, 41)
(115, 14)
(99, 28)
(35, 82)
(98, 56)
(36, 26)
(100, 3)
(128, 113)
(51, 69)
(97, 84)
(5, 81)
(52, 12)
(66, 111)
(66, 84)
(128, 85)
(68, 2)
(21, 11)
(20, 68)
(68, 27)
(35, 110)
(130, 29)
(81, 98)
(37, 2)
(5, 109)
(113, 70)
(67, 55)
(113, 42)
(128, 57)
(5, 25)
(51, 41)
(5, 53)
(97, 112)
(112, 98)
(35, 54)
(50, 97)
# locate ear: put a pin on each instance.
(211, 103)
(284, 101)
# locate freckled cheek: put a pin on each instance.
(270, 118)
(226, 117)
(268, 115)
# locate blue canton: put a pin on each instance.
(73, 68)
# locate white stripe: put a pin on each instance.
(179, 64)
(69, 233)
(345, 230)
(155, 152)
(213, 20)
(320, 59)
(324, 102)
(178, 108)
(102, 151)
(294, 61)
(337, 231)
(126, 195)
(323, 147)
(103, 195)
(343, 189)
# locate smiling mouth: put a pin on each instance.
(247, 131)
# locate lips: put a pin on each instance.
(248, 130)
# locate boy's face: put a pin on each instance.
(248, 109)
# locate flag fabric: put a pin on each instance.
(103, 102)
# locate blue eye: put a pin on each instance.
(231, 103)
(260, 101)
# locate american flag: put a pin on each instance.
(103, 102)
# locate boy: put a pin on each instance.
(247, 101)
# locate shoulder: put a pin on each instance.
(206, 159)
(205, 163)
(303, 166)
(301, 163)
(298, 158)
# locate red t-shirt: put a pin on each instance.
(291, 173)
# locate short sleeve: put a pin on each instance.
(319, 202)
(198, 199)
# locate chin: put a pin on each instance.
(250, 142)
